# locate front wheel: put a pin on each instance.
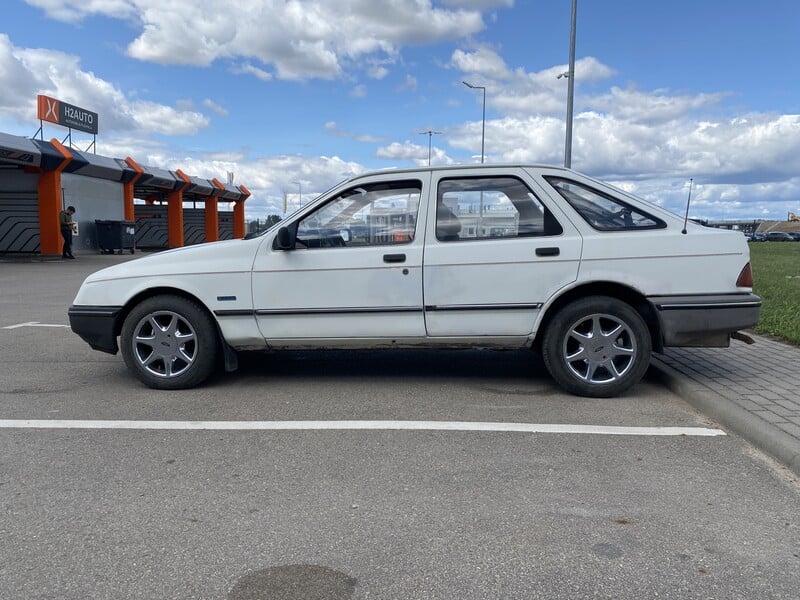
(597, 346)
(169, 343)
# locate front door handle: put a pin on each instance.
(548, 251)
(394, 258)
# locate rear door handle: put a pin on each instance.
(547, 251)
(394, 258)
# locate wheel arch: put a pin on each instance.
(158, 291)
(632, 297)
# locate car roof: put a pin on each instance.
(460, 167)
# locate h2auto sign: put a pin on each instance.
(66, 115)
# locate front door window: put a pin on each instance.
(379, 214)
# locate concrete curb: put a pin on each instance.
(752, 428)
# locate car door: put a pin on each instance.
(353, 272)
(496, 251)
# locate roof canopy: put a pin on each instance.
(19, 151)
(153, 182)
(97, 166)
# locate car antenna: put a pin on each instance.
(688, 200)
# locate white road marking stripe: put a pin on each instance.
(33, 324)
(360, 425)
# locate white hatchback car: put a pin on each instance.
(484, 256)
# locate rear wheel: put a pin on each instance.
(597, 346)
(169, 343)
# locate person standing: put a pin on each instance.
(66, 223)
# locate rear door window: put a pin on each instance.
(478, 208)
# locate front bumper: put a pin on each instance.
(704, 321)
(97, 326)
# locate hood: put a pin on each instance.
(213, 257)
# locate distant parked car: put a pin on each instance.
(479, 256)
(779, 236)
(795, 235)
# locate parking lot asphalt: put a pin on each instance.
(152, 513)
(751, 389)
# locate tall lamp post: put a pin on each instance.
(430, 135)
(483, 125)
(570, 75)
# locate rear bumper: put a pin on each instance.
(96, 325)
(704, 321)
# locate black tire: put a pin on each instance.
(170, 343)
(597, 347)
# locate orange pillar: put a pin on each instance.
(175, 214)
(239, 229)
(212, 219)
(127, 189)
(49, 189)
(238, 219)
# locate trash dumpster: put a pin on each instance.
(115, 236)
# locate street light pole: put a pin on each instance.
(570, 86)
(483, 120)
(430, 135)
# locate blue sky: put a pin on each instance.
(316, 90)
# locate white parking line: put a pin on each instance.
(359, 425)
(33, 324)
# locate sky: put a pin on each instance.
(294, 96)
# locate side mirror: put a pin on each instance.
(284, 241)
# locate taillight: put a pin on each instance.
(745, 277)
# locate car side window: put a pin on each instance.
(601, 211)
(479, 208)
(376, 214)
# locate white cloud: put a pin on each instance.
(518, 92)
(159, 118)
(268, 178)
(483, 62)
(534, 139)
(249, 69)
(417, 153)
(17, 82)
(403, 151)
(377, 72)
(299, 40)
(333, 128)
(409, 84)
(73, 11)
(359, 91)
(217, 108)
(25, 72)
(631, 135)
(658, 105)
(479, 4)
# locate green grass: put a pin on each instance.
(776, 274)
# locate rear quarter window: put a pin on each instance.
(602, 211)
